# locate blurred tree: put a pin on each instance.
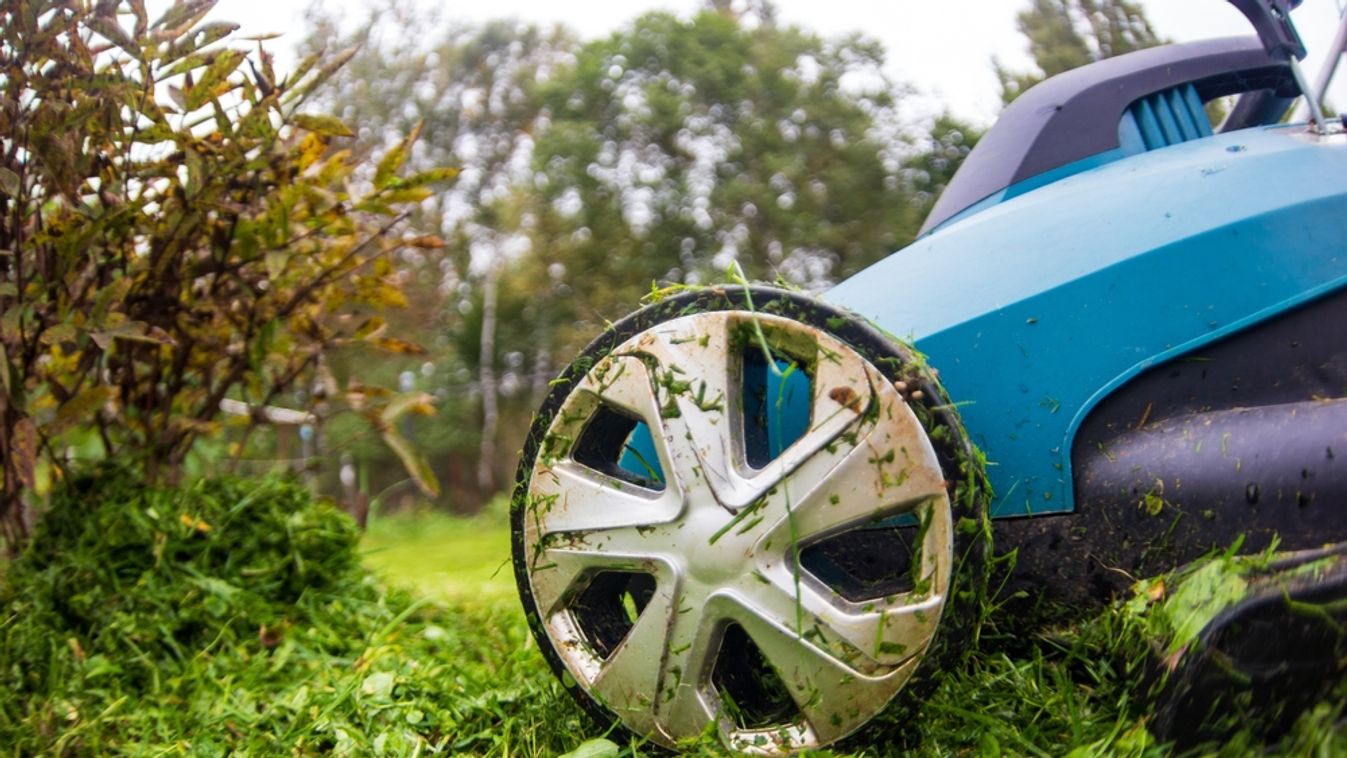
(474, 88)
(663, 153)
(175, 235)
(940, 153)
(677, 147)
(1066, 34)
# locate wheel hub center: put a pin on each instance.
(713, 553)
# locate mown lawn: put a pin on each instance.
(449, 559)
(235, 617)
(1057, 692)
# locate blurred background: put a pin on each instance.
(610, 147)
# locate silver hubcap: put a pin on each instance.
(710, 555)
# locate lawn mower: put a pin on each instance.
(747, 510)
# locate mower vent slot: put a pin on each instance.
(1169, 117)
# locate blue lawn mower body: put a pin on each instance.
(1042, 307)
(1145, 329)
(743, 510)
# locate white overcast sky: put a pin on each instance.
(943, 47)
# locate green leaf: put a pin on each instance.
(200, 37)
(378, 686)
(422, 178)
(133, 331)
(189, 63)
(215, 75)
(306, 85)
(106, 297)
(329, 126)
(595, 748)
(80, 408)
(182, 13)
(387, 170)
(413, 461)
(257, 123)
(9, 182)
(108, 27)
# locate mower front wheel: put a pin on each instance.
(744, 510)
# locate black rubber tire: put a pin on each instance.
(962, 464)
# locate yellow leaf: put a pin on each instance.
(311, 149)
(58, 333)
(414, 462)
(426, 242)
(1156, 590)
(408, 195)
(372, 327)
(401, 346)
(276, 260)
(408, 402)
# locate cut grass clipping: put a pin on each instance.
(234, 617)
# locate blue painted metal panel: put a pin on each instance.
(639, 457)
(1034, 309)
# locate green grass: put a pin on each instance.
(1075, 690)
(234, 618)
(446, 558)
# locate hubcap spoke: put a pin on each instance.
(558, 573)
(832, 697)
(870, 637)
(623, 381)
(844, 388)
(690, 383)
(881, 475)
(656, 671)
(568, 497)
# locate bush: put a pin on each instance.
(232, 615)
(175, 231)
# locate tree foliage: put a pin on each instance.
(662, 153)
(1067, 34)
(677, 147)
(941, 151)
(175, 231)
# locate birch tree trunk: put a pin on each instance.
(486, 461)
